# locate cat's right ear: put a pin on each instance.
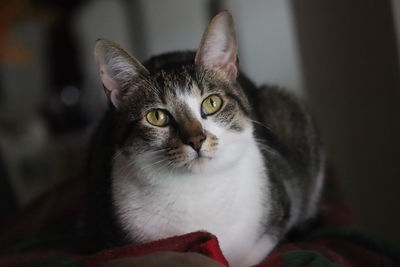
(118, 71)
(218, 46)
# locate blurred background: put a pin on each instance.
(341, 56)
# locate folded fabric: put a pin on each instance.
(42, 234)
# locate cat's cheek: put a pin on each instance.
(210, 146)
(159, 136)
(232, 145)
(177, 156)
(212, 128)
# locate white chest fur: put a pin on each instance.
(229, 203)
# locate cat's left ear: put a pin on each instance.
(218, 46)
(120, 72)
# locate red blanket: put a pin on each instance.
(41, 235)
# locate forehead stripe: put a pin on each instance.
(200, 88)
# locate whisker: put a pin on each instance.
(261, 124)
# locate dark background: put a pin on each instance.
(341, 56)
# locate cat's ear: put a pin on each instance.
(119, 71)
(218, 47)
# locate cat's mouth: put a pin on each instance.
(198, 161)
(202, 157)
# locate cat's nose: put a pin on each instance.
(196, 141)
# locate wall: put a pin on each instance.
(267, 42)
(351, 71)
(396, 17)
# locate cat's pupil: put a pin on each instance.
(157, 115)
(212, 102)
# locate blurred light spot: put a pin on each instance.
(70, 95)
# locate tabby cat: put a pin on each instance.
(189, 143)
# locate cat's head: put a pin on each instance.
(184, 117)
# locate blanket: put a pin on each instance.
(43, 234)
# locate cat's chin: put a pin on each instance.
(198, 164)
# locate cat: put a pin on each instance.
(189, 143)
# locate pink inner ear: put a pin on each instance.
(108, 82)
(218, 50)
(225, 61)
(231, 70)
(111, 86)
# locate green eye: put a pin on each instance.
(211, 105)
(157, 117)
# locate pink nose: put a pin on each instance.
(196, 141)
